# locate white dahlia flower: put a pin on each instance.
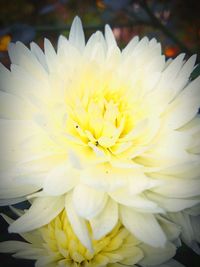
(104, 134)
(56, 244)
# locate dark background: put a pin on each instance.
(176, 24)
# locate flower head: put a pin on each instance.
(104, 133)
(56, 244)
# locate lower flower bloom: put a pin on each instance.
(56, 244)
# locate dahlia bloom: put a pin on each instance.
(104, 134)
(56, 244)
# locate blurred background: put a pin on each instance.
(176, 24)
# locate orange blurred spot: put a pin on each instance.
(4, 42)
(171, 51)
(100, 4)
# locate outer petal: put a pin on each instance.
(171, 229)
(42, 211)
(177, 188)
(60, 180)
(171, 263)
(185, 106)
(14, 246)
(144, 226)
(156, 256)
(88, 202)
(77, 223)
(139, 202)
(172, 204)
(76, 35)
(109, 36)
(182, 219)
(105, 221)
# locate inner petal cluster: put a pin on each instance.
(63, 246)
(103, 120)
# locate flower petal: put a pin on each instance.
(172, 204)
(76, 35)
(109, 36)
(144, 226)
(171, 263)
(42, 211)
(104, 222)
(78, 224)
(60, 180)
(14, 246)
(179, 188)
(87, 201)
(139, 202)
(157, 256)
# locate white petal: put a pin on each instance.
(110, 38)
(14, 191)
(184, 74)
(171, 229)
(37, 51)
(103, 178)
(138, 202)
(185, 106)
(14, 246)
(20, 55)
(154, 256)
(76, 35)
(171, 72)
(14, 107)
(88, 202)
(30, 254)
(60, 180)
(12, 201)
(172, 204)
(42, 211)
(130, 46)
(177, 188)
(183, 219)
(104, 222)
(78, 224)
(95, 38)
(144, 226)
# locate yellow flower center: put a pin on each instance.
(65, 249)
(102, 114)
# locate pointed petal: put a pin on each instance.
(37, 51)
(144, 226)
(103, 223)
(185, 106)
(14, 246)
(110, 38)
(50, 55)
(78, 224)
(76, 35)
(88, 202)
(42, 211)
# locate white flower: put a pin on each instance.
(103, 133)
(56, 244)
